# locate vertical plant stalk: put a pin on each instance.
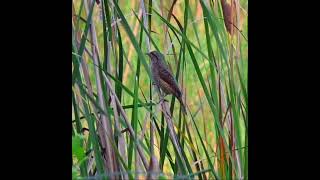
(122, 112)
(172, 133)
(166, 39)
(128, 66)
(104, 128)
(145, 23)
(153, 166)
(192, 150)
(153, 171)
(232, 20)
(235, 153)
(83, 64)
(137, 77)
(121, 141)
(84, 68)
(230, 125)
(220, 147)
(84, 169)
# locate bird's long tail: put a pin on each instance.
(183, 107)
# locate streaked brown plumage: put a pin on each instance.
(163, 78)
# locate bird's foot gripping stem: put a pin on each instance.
(163, 99)
(160, 101)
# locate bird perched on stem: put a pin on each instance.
(164, 79)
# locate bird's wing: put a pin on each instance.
(167, 77)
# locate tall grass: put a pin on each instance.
(119, 130)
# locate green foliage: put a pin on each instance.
(77, 149)
(108, 46)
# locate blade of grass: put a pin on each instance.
(105, 129)
(92, 134)
(214, 173)
(171, 132)
(132, 39)
(128, 124)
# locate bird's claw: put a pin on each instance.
(162, 99)
(153, 102)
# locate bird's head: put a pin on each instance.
(155, 56)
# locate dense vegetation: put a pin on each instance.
(119, 130)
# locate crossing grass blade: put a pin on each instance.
(92, 133)
(132, 39)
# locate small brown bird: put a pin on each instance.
(163, 78)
